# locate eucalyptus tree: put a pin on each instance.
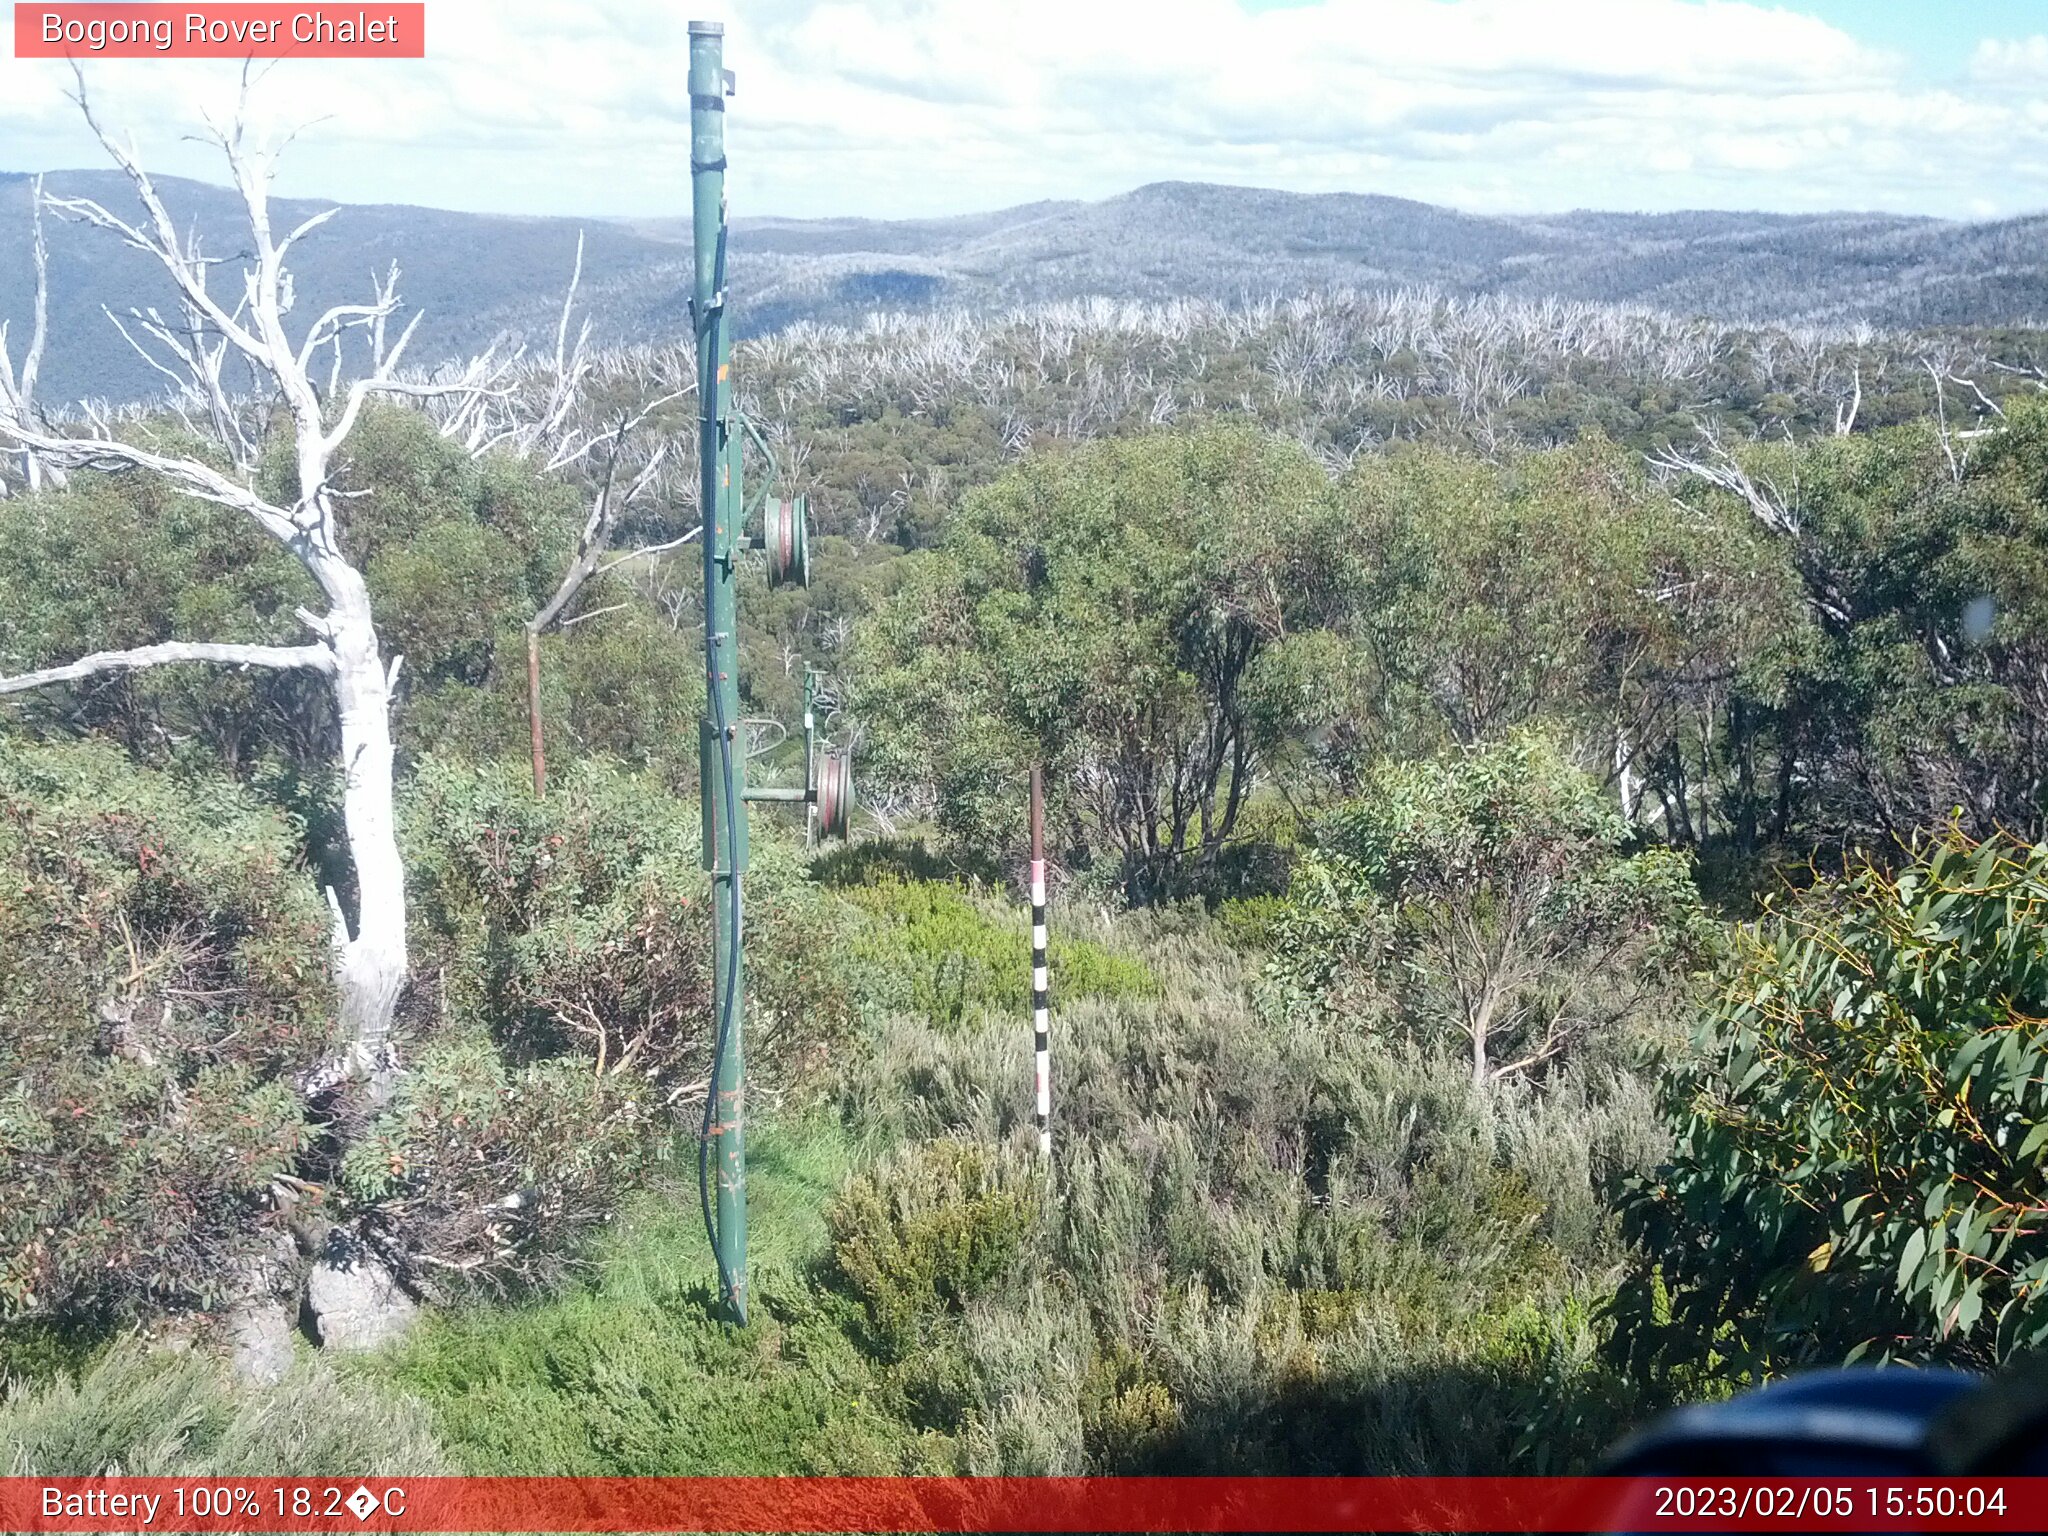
(1105, 610)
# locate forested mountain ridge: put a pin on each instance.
(477, 276)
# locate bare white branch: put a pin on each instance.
(316, 658)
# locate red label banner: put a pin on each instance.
(220, 31)
(1003, 1504)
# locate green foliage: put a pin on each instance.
(1558, 587)
(458, 552)
(117, 561)
(163, 980)
(1100, 609)
(1489, 898)
(574, 924)
(1923, 688)
(1343, 1213)
(153, 1413)
(1293, 1246)
(926, 1233)
(933, 949)
(1862, 1131)
(1252, 924)
(577, 924)
(573, 947)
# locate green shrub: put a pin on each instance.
(935, 950)
(1251, 924)
(1326, 1250)
(577, 926)
(926, 1232)
(1489, 898)
(163, 980)
(572, 942)
(1862, 1133)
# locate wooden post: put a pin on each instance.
(1041, 1012)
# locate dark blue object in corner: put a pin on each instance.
(1864, 1422)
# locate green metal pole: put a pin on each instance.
(721, 754)
(810, 757)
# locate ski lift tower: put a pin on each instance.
(722, 748)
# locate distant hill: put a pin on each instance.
(478, 276)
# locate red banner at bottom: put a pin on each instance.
(1056, 1504)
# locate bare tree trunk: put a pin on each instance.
(373, 958)
(18, 391)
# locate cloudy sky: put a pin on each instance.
(893, 108)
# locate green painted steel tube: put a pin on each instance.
(721, 753)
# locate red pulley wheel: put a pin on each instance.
(785, 535)
(835, 794)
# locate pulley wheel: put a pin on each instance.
(835, 794)
(785, 535)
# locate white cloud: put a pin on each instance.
(2003, 61)
(894, 107)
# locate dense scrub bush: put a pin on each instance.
(1488, 898)
(567, 1025)
(1268, 1246)
(141, 1413)
(163, 982)
(578, 925)
(1862, 1134)
(496, 1173)
(926, 1232)
(1275, 1243)
(117, 561)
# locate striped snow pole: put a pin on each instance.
(1041, 1012)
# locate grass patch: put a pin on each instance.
(628, 1374)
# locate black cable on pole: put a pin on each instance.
(714, 334)
(725, 1013)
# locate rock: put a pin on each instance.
(353, 1301)
(260, 1333)
(263, 1316)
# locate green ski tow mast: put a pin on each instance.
(721, 753)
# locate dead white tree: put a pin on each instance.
(541, 421)
(595, 556)
(1775, 506)
(369, 951)
(18, 389)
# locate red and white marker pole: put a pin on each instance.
(1041, 1012)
